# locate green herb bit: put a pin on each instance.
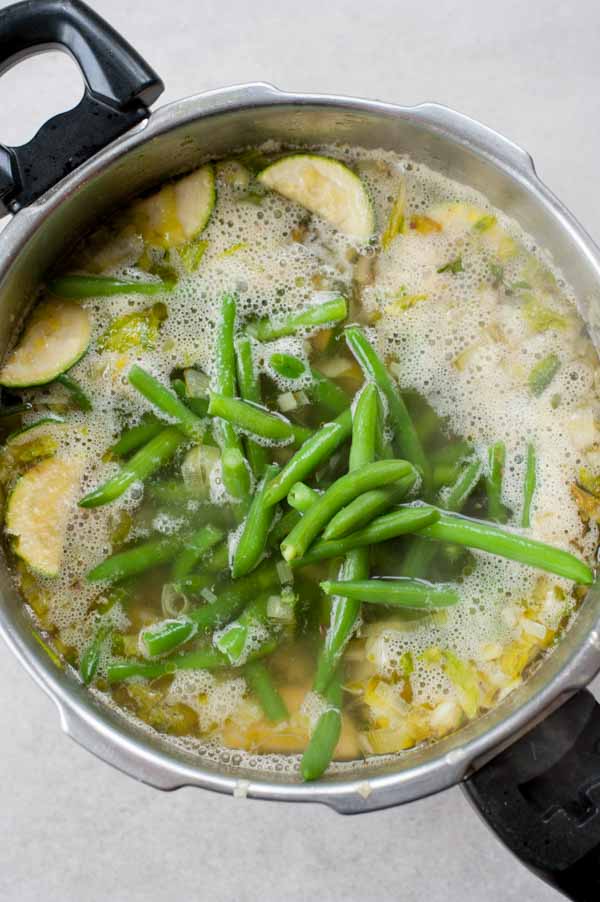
(484, 223)
(454, 266)
(542, 374)
(191, 254)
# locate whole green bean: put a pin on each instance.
(102, 286)
(259, 680)
(150, 458)
(90, 658)
(317, 449)
(406, 438)
(137, 560)
(282, 527)
(321, 747)
(325, 314)
(543, 373)
(207, 617)
(201, 659)
(496, 460)
(301, 497)
(236, 476)
(343, 490)
(256, 420)
(399, 522)
(249, 387)
(400, 592)
(75, 390)
(366, 507)
(166, 401)
(529, 486)
(253, 539)
(133, 438)
(194, 547)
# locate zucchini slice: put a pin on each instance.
(38, 510)
(56, 336)
(325, 187)
(33, 431)
(179, 211)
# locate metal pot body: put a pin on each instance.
(178, 138)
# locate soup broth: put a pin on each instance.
(300, 457)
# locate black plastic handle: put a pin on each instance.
(542, 797)
(120, 86)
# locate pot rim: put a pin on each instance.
(88, 722)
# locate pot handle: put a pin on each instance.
(119, 86)
(542, 797)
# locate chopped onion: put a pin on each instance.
(284, 572)
(173, 602)
(196, 383)
(287, 401)
(335, 367)
(533, 628)
(208, 595)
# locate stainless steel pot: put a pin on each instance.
(177, 138)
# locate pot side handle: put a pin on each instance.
(119, 86)
(542, 798)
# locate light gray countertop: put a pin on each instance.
(71, 828)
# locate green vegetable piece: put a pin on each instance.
(541, 318)
(191, 254)
(134, 330)
(287, 366)
(396, 220)
(315, 451)
(256, 420)
(137, 560)
(301, 497)
(453, 266)
(194, 547)
(261, 684)
(344, 490)
(529, 486)
(543, 373)
(102, 286)
(150, 458)
(320, 750)
(249, 386)
(464, 486)
(232, 640)
(401, 592)
(80, 398)
(133, 438)
(326, 314)
(322, 391)
(406, 438)
(90, 658)
(366, 507)
(167, 402)
(484, 223)
(496, 460)
(253, 540)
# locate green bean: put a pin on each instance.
(282, 527)
(236, 476)
(253, 540)
(322, 391)
(259, 680)
(343, 490)
(529, 486)
(418, 559)
(193, 584)
(256, 420)
(133, 438)
(496, 460)
(320, 315)
(464, 486)
(195, 546)
(402, 521)
(74, 388)
(443, 475)
(219, 559)
(543, 373)
(401, 592)
(144, 462)
(301, 497)
(201, 659)
(367, 428)
(321, 747)
(249, 386)
(232, 639)
(137, 560)
(366, 507)
(229, 603)
(405, 434)
(317, 449)
(102, 286)
(90, 658)
(459, 530)
(451, 453)
(199, 406)
(166, 401)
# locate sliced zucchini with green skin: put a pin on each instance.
(179, 211)
(56, 336)
(325, 187)
(33, 431)
(38, 511)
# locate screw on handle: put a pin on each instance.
(542, 797)
(120, 86)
